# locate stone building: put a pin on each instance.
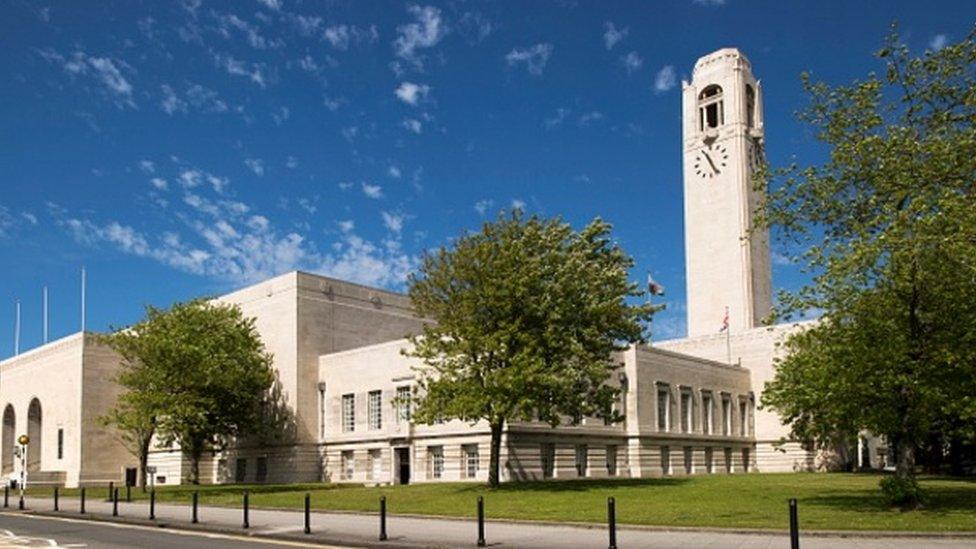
(689, 404)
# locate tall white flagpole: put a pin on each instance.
(45, 314)
(17, 330)
(82, 300)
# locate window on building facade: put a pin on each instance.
(686, 421)
(60, 443)
(548, 458)
(436, 456)
(403, 403)
(261, 474)
(348, 464)
(612, 460)
(708, 413)
(709, 461)
(471, 461)
(321, 411)
(711, 113)
(240, 470)
(375, 410)
(663, 408)
(581, 456)
(348, 413)
(726, 414)
(743, 418)
(665, 460)
(376, 464)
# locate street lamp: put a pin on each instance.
(23, 440)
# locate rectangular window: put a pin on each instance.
(709, 461)
(375, 410)
(743, 418)
(262, 472)
(436, 456)
(403, 403)
(707, 413)
(348, 464)
(240, 470)
(663, 408)
(348, 413)
(375, 464)
(611, 460)
(665, 460)
(581, 460)
(548, 457)
(689, 460)
(471, 461)
(60, 443)
(726, 414)
(686, 421)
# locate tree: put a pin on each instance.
(135, 420)
(886, 227)
(526, 315)
(200, 370)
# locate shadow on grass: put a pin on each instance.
(575, 485)
(937, 500)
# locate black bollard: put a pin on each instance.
(128, 493)
(196, 497)
(612, 522)
(56, 499)
(308, 513)
(383, 518)
(152, 504)
(247, 519)
(115, 502)
(481, 522)
(111, 490)
(20, 504)
(6, 496)
(794, 526)
(81, 508)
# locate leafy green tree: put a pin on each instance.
(199, 370)
(134, 418)
(527, 313)
(886, 227)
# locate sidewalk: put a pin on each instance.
(360, 530)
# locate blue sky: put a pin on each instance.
(184, 148)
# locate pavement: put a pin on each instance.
(222, 526)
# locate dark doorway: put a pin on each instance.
(403, 465)
(131, 476)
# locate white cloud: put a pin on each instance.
(192, 178)
(291, 162)
(590, 117)
(411, 93)
(556, 119)
(104, 70)
(111, 77)
(613, 35)
(710, 2)
(7, 221)
(347, 225)
(159, 183)
(482, 206)
(341, 36)
(271, 4)
(255, 72)
(345, 185)
(393, 222)
(413, 125)
(393, 172)
(938, 42)
(332, 104)
(518, 204)
(256, 165)
(147, 166)
(171, 102)
(425, 32)
(665, 80)
(229, 22)
(632, 61)
(372, 191)
(535, 57)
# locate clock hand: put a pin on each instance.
(709, 158)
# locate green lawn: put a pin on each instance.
(826, 501)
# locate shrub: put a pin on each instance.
(903, 492)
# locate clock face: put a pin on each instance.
(711, 160)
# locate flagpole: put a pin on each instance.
(45, 314)
(82, 300)
(17, 331)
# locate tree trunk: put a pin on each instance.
(196, 450)
(905, 463)
(143, 464)
(496, 445)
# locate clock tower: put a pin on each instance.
(727, 267)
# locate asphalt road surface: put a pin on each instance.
(33, 531)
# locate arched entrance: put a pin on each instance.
(34, 432)
(7, 440)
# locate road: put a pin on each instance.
(69, 528)
(18, 530)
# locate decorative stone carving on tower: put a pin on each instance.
(726, 266)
